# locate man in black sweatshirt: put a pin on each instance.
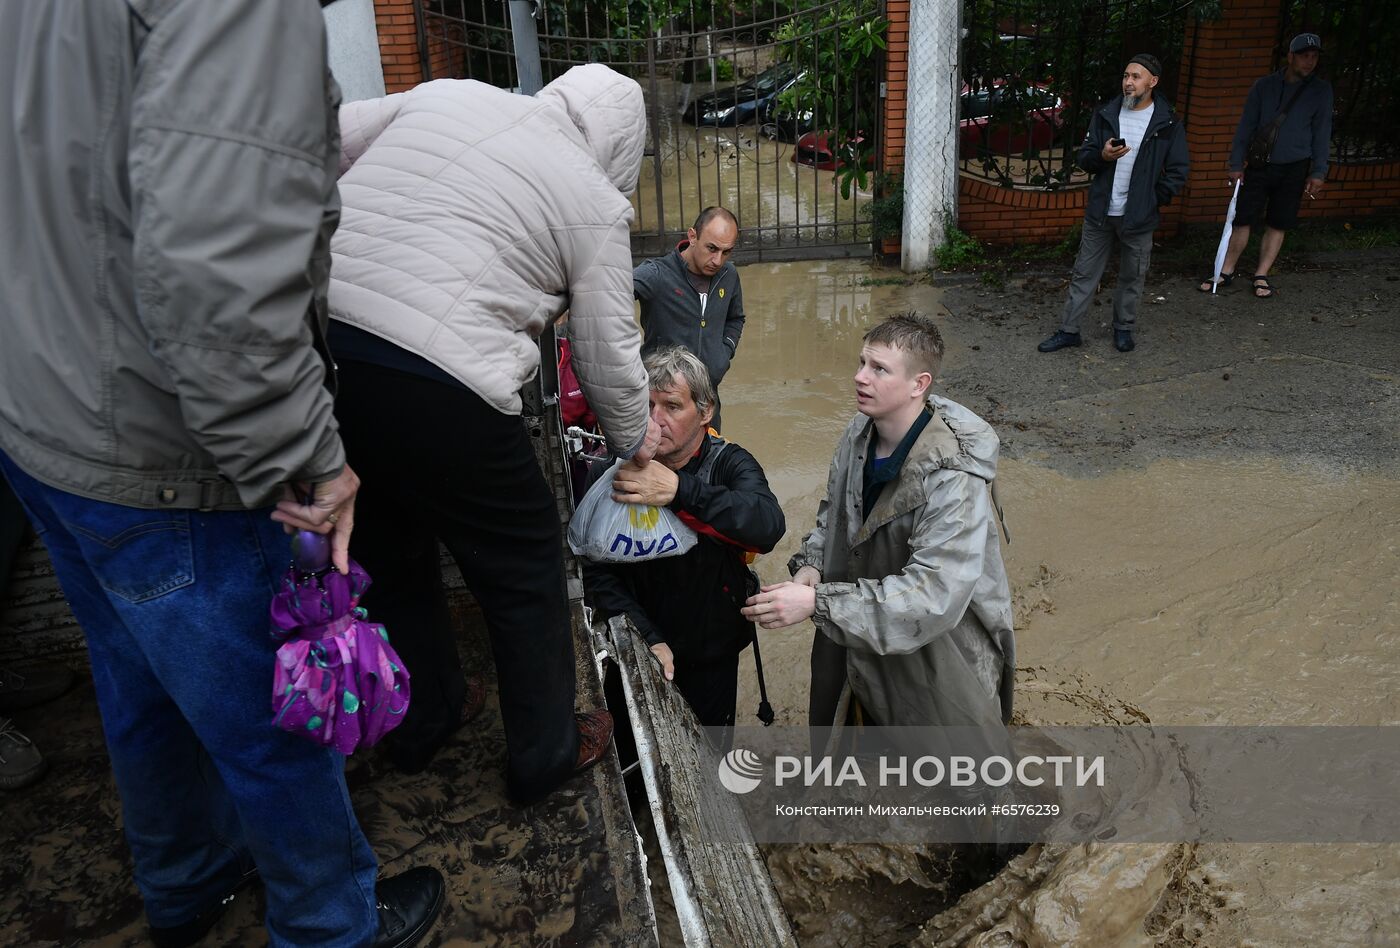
(691, 296)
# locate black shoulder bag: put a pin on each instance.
(1261, 143)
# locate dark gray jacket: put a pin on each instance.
(1306, 131)
(1159, 172)
(671, 311)
(167, 183)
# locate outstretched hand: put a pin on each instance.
(331, 510)
(781, 605)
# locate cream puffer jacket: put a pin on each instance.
(473, 217)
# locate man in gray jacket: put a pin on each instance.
(691, 296)
(167, 182)
(902, 574)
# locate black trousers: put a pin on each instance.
(437, 462)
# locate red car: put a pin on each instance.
(815, 149)
(1038, 127)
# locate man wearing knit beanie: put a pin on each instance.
(1136, 150)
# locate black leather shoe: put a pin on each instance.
(1061, 340)
(1123, 340)
(189, 933)
(408, 904)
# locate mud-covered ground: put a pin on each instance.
(1310, 374)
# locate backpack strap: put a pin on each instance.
(707, 466)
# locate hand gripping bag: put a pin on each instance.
(606, 531)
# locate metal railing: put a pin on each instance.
(1359, 43)
(1034, 70)
(713, 73)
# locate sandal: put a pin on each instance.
(1261, 282)
(1207, 283)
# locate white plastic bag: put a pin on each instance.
(606, 531)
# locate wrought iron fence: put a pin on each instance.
(1361, 58)
(764, 106)
(1034, 70)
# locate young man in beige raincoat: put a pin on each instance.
(902, 574)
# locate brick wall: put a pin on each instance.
(1221, 68)
(397, 26)
(896, 71)
(1006, 215)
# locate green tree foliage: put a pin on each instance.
(838, 46)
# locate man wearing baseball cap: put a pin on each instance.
(1280, 152)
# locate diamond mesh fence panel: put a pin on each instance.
(930, 142)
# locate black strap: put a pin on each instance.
(707, 464)
(1283, 107)
(765, 710)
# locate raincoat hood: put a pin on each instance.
(607, 109)
(978, 444)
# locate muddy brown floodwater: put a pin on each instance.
(1246, 578)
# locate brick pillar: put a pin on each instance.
(397, 26)
(896, 73)
(1222, 59)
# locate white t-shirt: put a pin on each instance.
(1132, 125)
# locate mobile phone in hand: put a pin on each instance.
(1116, 142)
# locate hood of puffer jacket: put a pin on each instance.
(978, 444)
(608, 109)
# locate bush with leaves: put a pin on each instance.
(886, 209)
(838, 47)
(958, 249)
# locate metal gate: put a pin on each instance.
(771, 108)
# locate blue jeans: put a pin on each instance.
(174, 604)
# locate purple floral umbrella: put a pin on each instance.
(338, 680)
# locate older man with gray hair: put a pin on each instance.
(687, 606)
